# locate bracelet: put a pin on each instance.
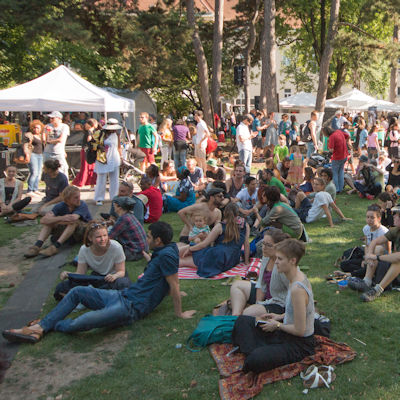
(279, 324)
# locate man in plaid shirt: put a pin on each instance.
(127, 230)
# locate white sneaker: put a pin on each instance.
(99, 203)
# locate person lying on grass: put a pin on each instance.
(116, 307)
(66, 222)
(383, 270)
(319, 207)
(273, 340)
(269, 293)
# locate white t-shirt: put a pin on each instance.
(201, 130)
(372, 235)
(104, 264)
(243, 132)
(247, 200)
(316, 211)
(62, 131)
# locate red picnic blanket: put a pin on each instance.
(240, 269)
(234, 385)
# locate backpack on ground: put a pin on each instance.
(212, 329)
(305, 132)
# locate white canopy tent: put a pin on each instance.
(382, 105)
(305, 100)
(62, 90)
(353, 100)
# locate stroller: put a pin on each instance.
(320, 160)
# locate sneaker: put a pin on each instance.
(32, 251)
(99, 203)
(358, 284)
(49, 251)
(370, 295)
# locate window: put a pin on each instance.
(287, 93)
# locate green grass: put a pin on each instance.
(150, 367)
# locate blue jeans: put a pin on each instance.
(246, 156)
(310, 149)
(338, 173)
(179, 158)
(110, 309)
(35, 169)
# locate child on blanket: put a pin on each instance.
(200, 229)
(274, 340)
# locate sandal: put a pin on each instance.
(224, 308)
(315, 377)
(26, 335)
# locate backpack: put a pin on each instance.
(90, 154)
(305, 132)
(212, 329)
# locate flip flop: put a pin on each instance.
(25, 336)
(315, 377)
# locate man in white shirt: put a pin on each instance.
(56, 134)
(313, 211)
(243, 141)
(200, 140)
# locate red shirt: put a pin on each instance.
(154, 205)
(337, 143)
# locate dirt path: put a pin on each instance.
(30, 378)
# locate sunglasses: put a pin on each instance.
(98, 225)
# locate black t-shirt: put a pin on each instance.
(219, 175)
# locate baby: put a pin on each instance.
(200, 229)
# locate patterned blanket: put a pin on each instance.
(240, 269)
(234, 385)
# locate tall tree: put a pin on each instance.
(268, 91)
(202, 63)
(327, 56)
(217, 55)
(394, 70)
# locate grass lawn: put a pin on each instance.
(149, 366)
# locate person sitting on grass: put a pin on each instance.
(228, 237)
(310, 211)
(268, 178)
(151, 197)
(127, 230)
(375, 229)
(67, 221)
(184, 195)
(11, 193)
(116, 307)
(200, 229)
(327, 175)
(104, 256)
(209, 208)
(382, 270)
(276, 339)
(247, 199)
(385, 202)
(55, 182)
(269, 293)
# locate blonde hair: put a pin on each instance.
(69, 191)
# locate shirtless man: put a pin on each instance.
(208, 208)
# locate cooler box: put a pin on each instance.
(10, 134)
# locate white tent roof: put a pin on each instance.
(353, 99)
(62, 90)
(382, 105)
(305, 100)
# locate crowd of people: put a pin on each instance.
(273, 203)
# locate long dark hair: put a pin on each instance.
(231, 213)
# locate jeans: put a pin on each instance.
(179, 158)
(246, 156)
(338, 173)
(110, 309)
(310, 149)
(35, 169)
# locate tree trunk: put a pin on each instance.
(394, 70)
(327, 56)
(217, 55)
(247, 55)
(268, 92)
(202, 64)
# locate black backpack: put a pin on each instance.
(305, 132)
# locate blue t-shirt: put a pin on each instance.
(82, 210)
(54, 186)
(256, 124)
(196, 176)
(149, 290)
(335, 125)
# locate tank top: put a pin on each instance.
(233, 191)
(289, 314)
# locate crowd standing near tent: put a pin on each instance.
(230, 205)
